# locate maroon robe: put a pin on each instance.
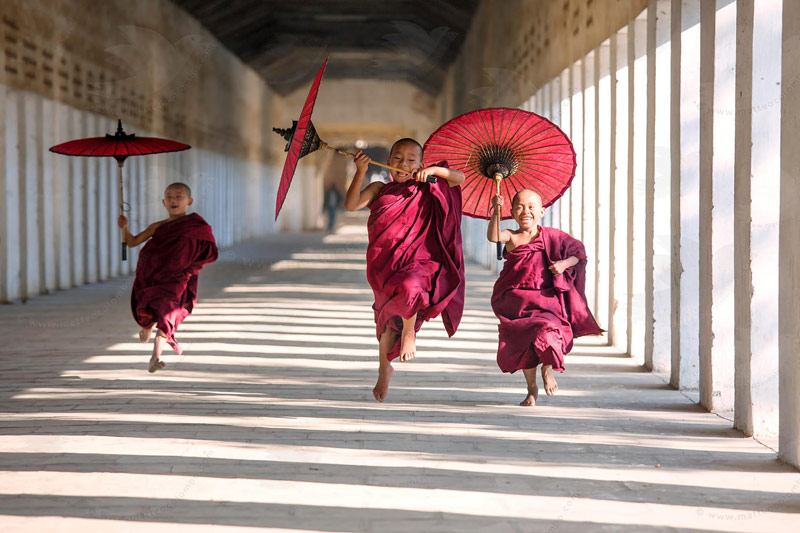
(165, 288)
(414, 258)
(540, 313)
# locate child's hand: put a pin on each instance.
(423, 174)
(362, 161)
(122, 221)
(558, 267)
(497, 201)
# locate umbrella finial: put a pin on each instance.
(120, 133)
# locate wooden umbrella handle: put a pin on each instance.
(498, 178)
(339, 151)
(122, 210)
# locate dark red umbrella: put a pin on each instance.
(120, 146)
(302, 139)
(502, 151)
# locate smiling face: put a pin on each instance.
(177, 200)
(405, 156)
(527, 209)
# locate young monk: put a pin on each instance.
(539, 296)
(414, 261)
(165, 288)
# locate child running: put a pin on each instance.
(415, 265)
(165, 288)
(539, 296)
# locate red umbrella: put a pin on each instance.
(302, 139)
(119, 146)
(502, 151)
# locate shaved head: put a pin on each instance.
(179, 185)
(524, 194)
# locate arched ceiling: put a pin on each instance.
(286, 41)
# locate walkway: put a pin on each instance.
(268, 420)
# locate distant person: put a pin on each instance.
(539, 295)
(332, 199)
(165, 289)
(414, 261)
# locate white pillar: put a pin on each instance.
(15, 229)
(586, 208)
(657, 238)
(618, 300)
(604, 137)
(3, 199)
(47, 127)
(685, 359)
(564, 90)
(35, 194)
(756, 238)
(722, 242)
(789, 266)
(637, 170)
(577, 124)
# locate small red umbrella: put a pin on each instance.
(302, 139)
(119, 146)
(502, 151)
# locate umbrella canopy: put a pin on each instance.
(502, 151)
(302, 140)
(120, 146)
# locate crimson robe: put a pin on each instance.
(540, 313)
(414, 258)
(165, 288)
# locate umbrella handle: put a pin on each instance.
(339, 151)
(498, 177)
(120, 162)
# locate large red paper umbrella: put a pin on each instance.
(120, 146)
(502, 151)
(302, 139)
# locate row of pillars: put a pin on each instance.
(58, 214)
(687, 198)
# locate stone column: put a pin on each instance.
(576, 92)
(636, 200)
(586, 206)
(604, 146)
(686, 156)
(756, 240)
(789, 266)
(618, 300)
(657, 174)
(565, 121)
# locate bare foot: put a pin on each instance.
(144, 334)
(408, 346)
(155, 364)
(381, 389)
(530, 399)
(550, 385)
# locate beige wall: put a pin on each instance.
(515, 46)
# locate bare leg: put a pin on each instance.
(145, 333)
(385, 369)
(158, 345)
(408, 346)
(550, 385)
(533, 390)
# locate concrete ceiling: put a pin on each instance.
(286, 41)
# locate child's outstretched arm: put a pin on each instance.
(494, 223)
(136, 240)
(451, 176)
(355, 198)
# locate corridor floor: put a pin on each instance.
(267, 421)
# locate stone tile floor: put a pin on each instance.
(267, 421)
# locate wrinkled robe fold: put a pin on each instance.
(414, 258)
(165, 288)
(540, 313)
